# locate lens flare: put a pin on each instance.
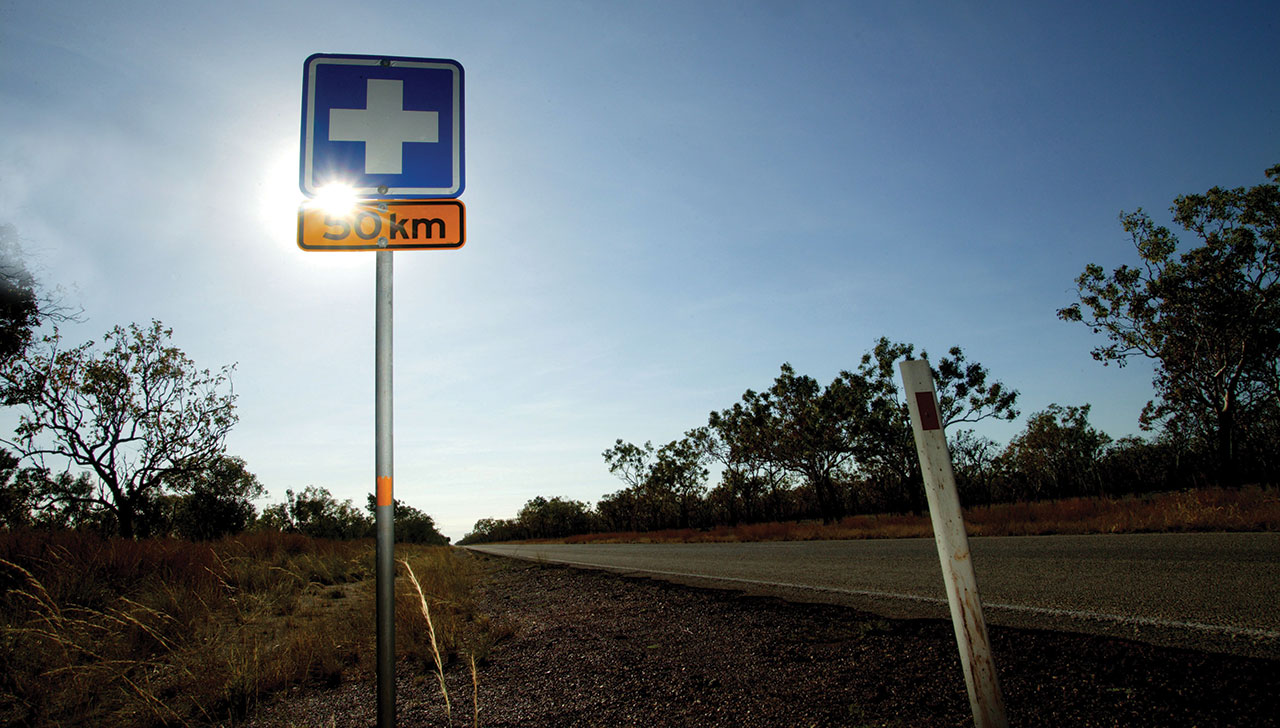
(336, 198)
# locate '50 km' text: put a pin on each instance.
(385, 225)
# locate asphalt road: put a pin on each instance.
(1214, 591)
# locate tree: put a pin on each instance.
(15, 495)
(19, 302)
(215, 500)
(652, 500)
(1209, 317)
(630, 463)
(316, 513)
(1058, 454)
(743, 438)
(817, 430)
(680, 466)
(488, 530)
(554, 518)
(136, 414)
(23, 306)
(973, 458)
(617, 511)
(889, 464)
(411, 524)
(275, 517)
(964, 393)
(1139, 465)
(887, 451)
(29, 500)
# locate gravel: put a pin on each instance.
(1202, 591)
(597, 649)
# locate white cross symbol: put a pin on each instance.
(384, 126)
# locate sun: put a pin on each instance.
(336, 198)
(279, 202)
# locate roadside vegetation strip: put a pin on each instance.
(117, 632)
(1253, 508)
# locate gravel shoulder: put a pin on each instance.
(597, 649)
(1201, 591)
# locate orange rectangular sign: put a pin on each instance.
(384, 225)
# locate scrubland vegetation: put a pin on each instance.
(141, 586)
(121, 632)
(1215, 509)
(816, 456)
(1207, 317)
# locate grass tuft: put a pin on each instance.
(475, 692)
(431, 630)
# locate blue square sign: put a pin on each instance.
(387, 126)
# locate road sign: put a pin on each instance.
(389, 127)
(384, 225)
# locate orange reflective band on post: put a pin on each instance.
(384, 491)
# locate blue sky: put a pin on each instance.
(666, 201)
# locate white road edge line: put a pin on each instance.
(1248, 632)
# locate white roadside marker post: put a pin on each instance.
(953, 547)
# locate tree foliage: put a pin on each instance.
(817, 430)
(965, 392)
(135, 413)
(742, 439)
(411, 524)
(19, 301)
(15, 495)
(664, 485)
(680, 469)
(798, 449)
(854, 430)
(215, 500)
(1209, 317)
(539, 518)
(630, 463)
(24, 306)
(1058, 454)
(554, 517)
(315, 512)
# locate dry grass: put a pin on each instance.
(1217, 509)
(1247, 509)
(438, 622)
(109, 632)
(475, 692)
(431, 632)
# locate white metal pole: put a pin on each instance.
(384, 508)
(953, 547)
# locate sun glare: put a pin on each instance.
(336, 198)
(279, 196)
(280, 201)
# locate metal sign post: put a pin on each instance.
(384, 514)
(389, 129)
(953, 547)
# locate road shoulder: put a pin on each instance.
(594, 648)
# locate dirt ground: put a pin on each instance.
(597, 649)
